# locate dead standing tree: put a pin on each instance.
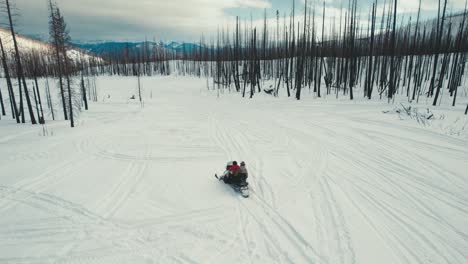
(14, 108)
(19, 66)
(438, 47)
(55, 38)
(60, 38)
(392, 82)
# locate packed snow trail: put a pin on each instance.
(331, 182)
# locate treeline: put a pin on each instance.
(148, 60)
(40, 62)
(381, 55)
(378, 56)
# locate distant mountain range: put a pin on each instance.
(101, 48)
(109, 48)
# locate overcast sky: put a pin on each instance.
(181, 20)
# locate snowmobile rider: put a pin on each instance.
(231, 171)
(243, 174)
(234, 169)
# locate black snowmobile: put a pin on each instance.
(238, 183)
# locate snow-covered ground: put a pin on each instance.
(332, 181)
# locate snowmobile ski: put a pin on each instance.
(242, 189)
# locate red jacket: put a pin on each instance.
(234, 169)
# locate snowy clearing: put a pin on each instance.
(331, 181)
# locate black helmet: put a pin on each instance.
(242, 163)
(234, 163)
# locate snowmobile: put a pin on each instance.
(241, 187)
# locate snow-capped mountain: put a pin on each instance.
(26, 44)
(111, 47)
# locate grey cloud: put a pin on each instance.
(133, 20)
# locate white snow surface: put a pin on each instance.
(332, 181)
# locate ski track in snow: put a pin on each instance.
(330, 183)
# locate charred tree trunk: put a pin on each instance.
(41, 119)
(11, 93)
(392, 81)
(19, 65)
(439, 40)
(83, 91)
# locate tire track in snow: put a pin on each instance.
(218, 135)
(271, 213)
(411, 224)
(399, 168)
(237, 140)
(375, 164)
(73, 221)
(39, 183)
(288, 234)
(402, 184)
(344, 246)
(127, 239)
(248, 150)
(335, 214)
(397, 243)
(198, 216)
(130, 179)
(430, 168)
(249, 245)
(339, 152)
(264, 187)
(313, 180)
(225, 139)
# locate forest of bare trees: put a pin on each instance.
(381, 56)
(398, 56)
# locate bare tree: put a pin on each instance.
(19, 66)
(61, 39)
(56, 38)
(11, 93)
(439, 40)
